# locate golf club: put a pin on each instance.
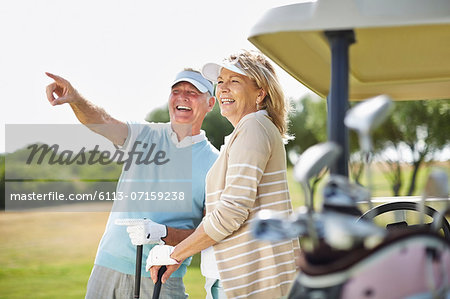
(310, 163)
(364, 118)
(340, 195)
(270, 226)
(137, 278)
(158, 284)
(344, 232)
(340, 231)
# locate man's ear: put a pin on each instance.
(211, 102)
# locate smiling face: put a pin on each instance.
(188, 106)
(237, 95)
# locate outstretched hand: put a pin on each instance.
(62, 89)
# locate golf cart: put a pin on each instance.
(352, 50)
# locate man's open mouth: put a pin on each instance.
(183, 108)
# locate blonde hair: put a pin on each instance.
(260, 70)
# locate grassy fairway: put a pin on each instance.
(47, 254)
(50, 254)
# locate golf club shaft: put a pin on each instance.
(369, 178)
(158, 284)
(137, 279)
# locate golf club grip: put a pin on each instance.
(158, 284)
(137, 279)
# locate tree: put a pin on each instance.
(307, 124)
(158, 115)
(417, 127)
(389, 136)
(308, 121)
(423, 126)
(216, 127)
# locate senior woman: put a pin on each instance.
(249, 175)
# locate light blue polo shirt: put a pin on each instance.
(165, 183)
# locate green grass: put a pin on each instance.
(45, 281)
(51, 254)
(194, 280)
(67, 280)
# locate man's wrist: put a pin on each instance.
(164, 233)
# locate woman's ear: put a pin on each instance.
(261, 96)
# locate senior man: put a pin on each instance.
(171, 214)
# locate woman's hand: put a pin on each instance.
(174, 256)
(158, 256)
(170, 269)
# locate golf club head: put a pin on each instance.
(340, 195)
(268, 225)
(369, 114)
(314, 159)
(344, 232)
(340, 191)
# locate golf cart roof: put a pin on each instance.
(402, 47)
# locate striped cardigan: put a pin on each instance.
(249, 175)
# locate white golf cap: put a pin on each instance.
(195, 79)
(212, 70)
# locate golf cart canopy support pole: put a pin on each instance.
(337, 99)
